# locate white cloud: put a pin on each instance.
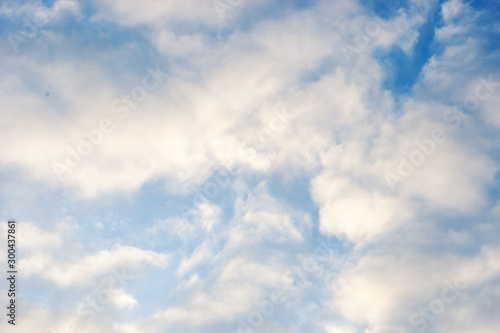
(133, 12)
(246, 73)
(86, 269)
(359, 214)
(262, 219)
(386, 290)
(36, 240)
(122, 300)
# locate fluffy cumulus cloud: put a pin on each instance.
(252, 166)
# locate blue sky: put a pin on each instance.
(252, 166)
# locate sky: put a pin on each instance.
(243, 166)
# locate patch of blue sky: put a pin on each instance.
(487, 26)
(247, 18)
(295, 192)
(29, 202)
(121, 51)
(484, 5)
(403, 69)
(7, 25)
(154, 289)
(494, 187)
(157, 289)
(48, 3)
(124, 219)
(117, 49)
(43, 292)
(324, 67)
(385, 9)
